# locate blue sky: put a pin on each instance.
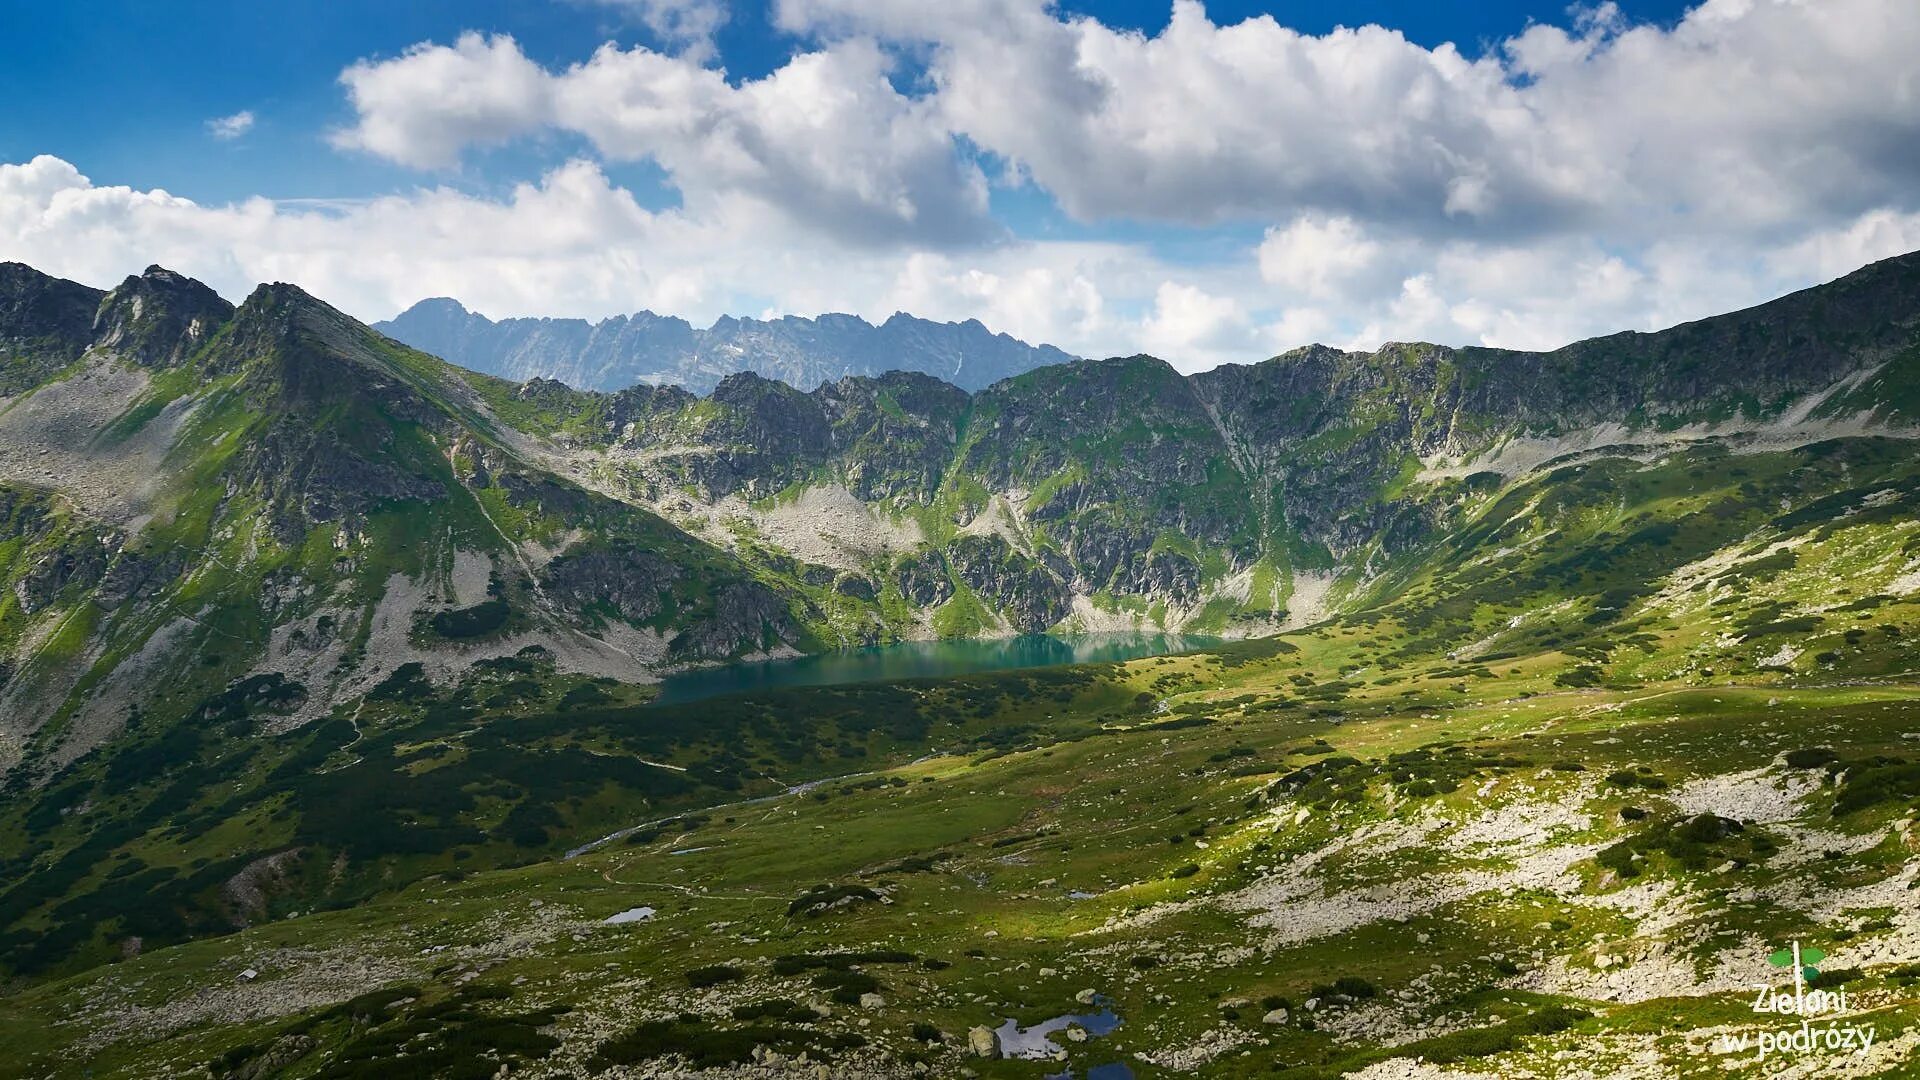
(105, 85)
(1210, 182)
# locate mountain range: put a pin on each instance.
(619, 352)
(327, 660)
(330, 502)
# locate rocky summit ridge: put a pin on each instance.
(623, 350)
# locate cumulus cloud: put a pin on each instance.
(1187, 323)
(231, 127)
(825, 140)
(426, 106)
(1746, 115)
(1352, 187)
(571, 244)
(1317, 256)
(575, 244)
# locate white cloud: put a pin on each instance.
(1873, 235)
(1747, 115)
(825, 140)
(1191, 328)
(688, 24)
(574, 244)
(1318, 256)
(1050, 292)
(1576, 180)
(425, 106)
(231, 127)
(1406, 191)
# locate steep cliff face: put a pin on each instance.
(45, 323)
(894, 435)
(621, 351)
(158, 318)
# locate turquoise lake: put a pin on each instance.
(919, 660)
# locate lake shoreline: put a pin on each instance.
(918, 660)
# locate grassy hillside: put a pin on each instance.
(1546, 801)
(325, 661)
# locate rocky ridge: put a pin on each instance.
(621, 351)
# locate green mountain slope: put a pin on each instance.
(1594, 683)
(1118, 494)
(1549, 806)
(279, 479)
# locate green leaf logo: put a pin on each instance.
(1783, 958)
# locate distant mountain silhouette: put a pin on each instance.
(625, 350)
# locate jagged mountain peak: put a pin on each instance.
(804, 352)
(157, 273)
(1317, 352)
(297, 352)
(159, 317)
(906, 319)
(751, 381)
(279, 313)
(289, 311)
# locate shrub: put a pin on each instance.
(1498, 1039)
(1351, 987)
(713, 975)
(795, 963)
(1877, 780)
(471, 622)
(1583, 676)
(1694, 843)
(846, 986)
(708, 1047)
(1631, 778)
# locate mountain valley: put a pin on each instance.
(1554, 692)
